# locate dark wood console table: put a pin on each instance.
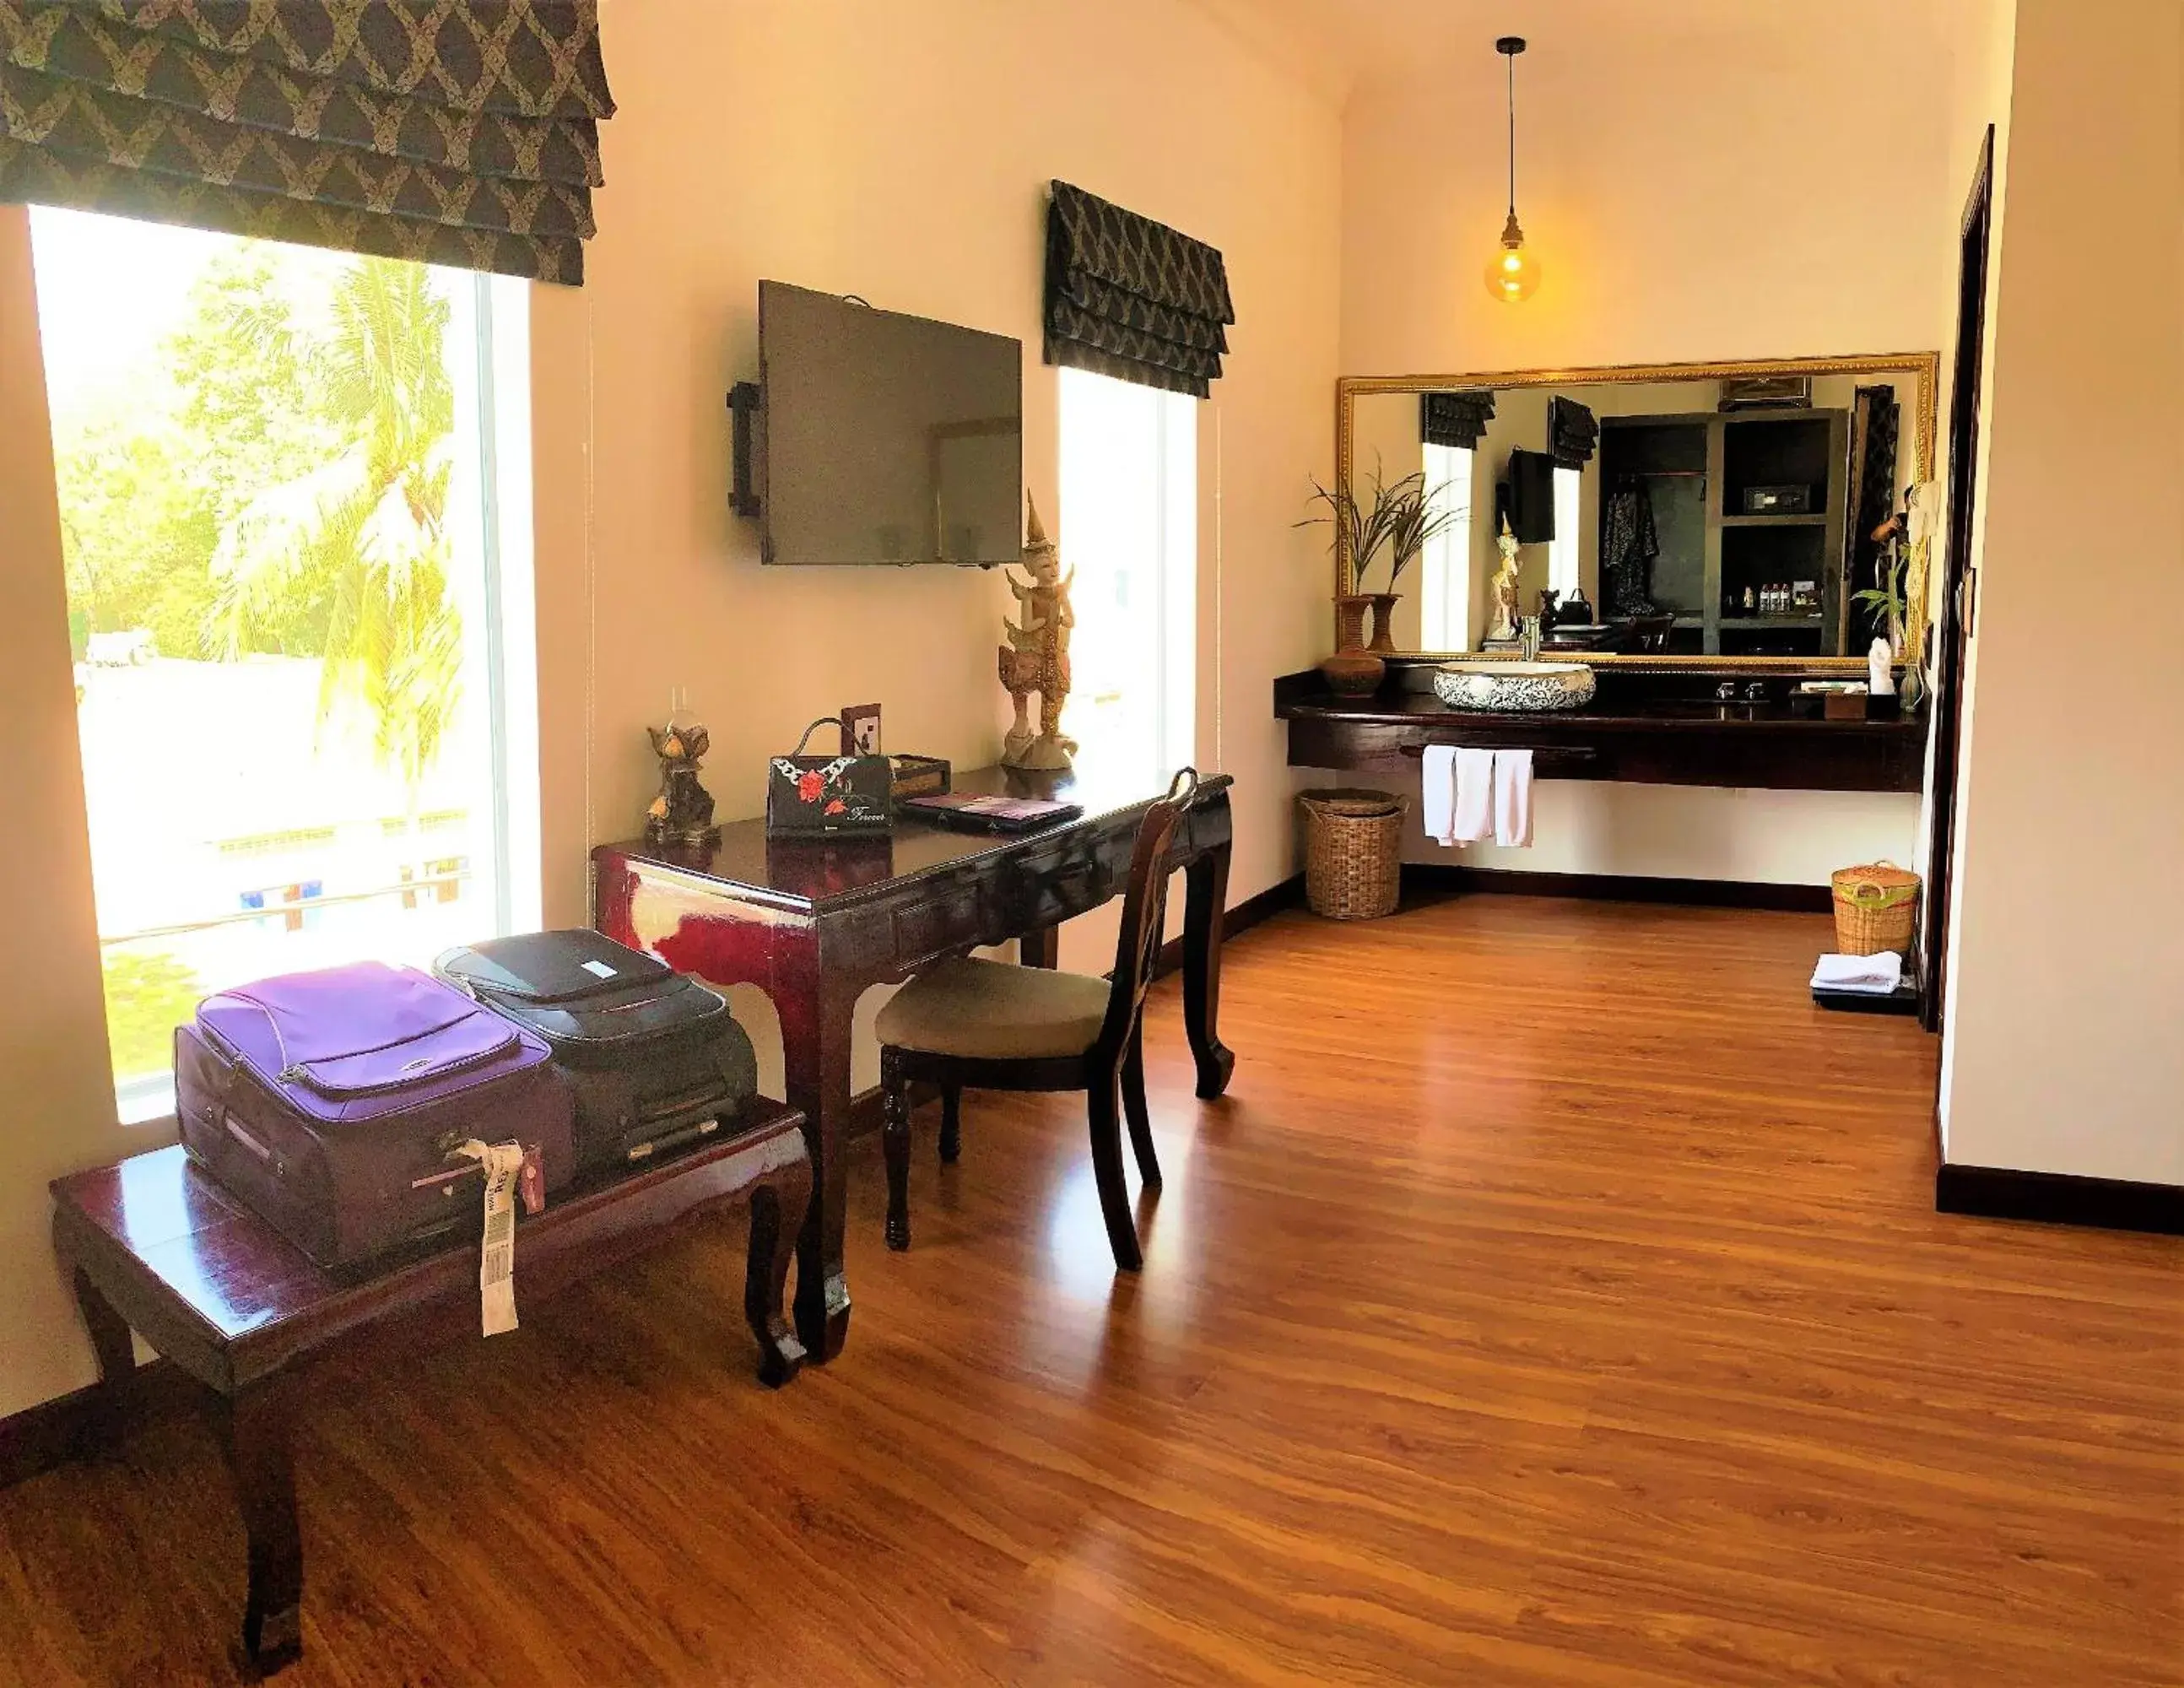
(1655, 730)
(155, 1245)
(815, 923)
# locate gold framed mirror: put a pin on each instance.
(1684, 515)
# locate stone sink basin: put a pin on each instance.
(1513, 687)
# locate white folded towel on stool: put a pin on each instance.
(1865, 975)
(1474, 798)
(1513, 797)
(1437, 792)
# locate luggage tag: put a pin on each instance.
(502, 1163)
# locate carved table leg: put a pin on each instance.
(1206, 895)
(117, 1364)
(777, 1208)
(257, 1433)
(815, 1040)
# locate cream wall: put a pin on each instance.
(52, 1027)
(2061, 1052)
(1651, 143)
(902, 153)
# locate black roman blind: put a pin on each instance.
(1131, 297)
(464, 134)
(1455, 418)
(1572, 431)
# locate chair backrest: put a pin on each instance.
(1144, 906)
(1651, 632)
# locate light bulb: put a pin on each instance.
(1512, 275)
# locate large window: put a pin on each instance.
(293, 492)
(1129, 526)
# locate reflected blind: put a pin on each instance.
(1572, 432)
(1130, 298)
(1457, 419)
(465, 134)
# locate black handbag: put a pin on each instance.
(817, 795)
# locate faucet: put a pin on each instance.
(1528, 638)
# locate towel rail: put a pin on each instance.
(1543, 756)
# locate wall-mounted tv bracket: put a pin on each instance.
(744, 406)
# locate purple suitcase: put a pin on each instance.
(333, 1103)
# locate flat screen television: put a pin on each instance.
(887, 438)
(1529, 497)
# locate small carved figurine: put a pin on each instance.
(1502, 590)
(682, 813)
(1036, 658)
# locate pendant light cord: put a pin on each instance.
(1512, 57)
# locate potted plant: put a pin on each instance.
(1353, 671)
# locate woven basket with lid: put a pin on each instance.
(1353, 855)
(1876, 905)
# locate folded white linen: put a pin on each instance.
(1474, 797)
(1513, 797)
(1868, 975)
(1437, 793)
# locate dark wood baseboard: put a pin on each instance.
(2060, 1199)
(39, 1438)
(1619, 887)
(1247, 914)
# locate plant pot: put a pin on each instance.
(1384, 622)
(1353, 673)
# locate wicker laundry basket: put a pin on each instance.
(1353, 853)
(1875, 908)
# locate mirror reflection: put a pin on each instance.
(1730, 516)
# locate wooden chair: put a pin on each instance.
(991, 1026)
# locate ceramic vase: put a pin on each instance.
(1353, 671)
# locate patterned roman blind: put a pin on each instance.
(464, 134)
(1455, 418)
(1131, 297)
(1573, 432)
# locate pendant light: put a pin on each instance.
(1514, 274)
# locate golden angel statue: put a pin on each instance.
(1036, 658)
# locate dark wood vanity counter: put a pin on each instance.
(1647, 728)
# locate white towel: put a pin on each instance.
(1513, 797)
(1437, 793)
(1867, 975)
(1474, 798)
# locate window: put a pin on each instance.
(1444, 568)
(1564, 554)
(1129, 527)
(295, 507)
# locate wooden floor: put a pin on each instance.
(1557, 1299)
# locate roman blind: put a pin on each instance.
(1454, 418)
(1572, 432)
(1131, 297)
(465, 134)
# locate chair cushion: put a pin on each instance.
(990, 1010)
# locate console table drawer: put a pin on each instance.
(948, 920)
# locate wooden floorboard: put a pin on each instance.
(1556, 1299)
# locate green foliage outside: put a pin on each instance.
(147, 997)
(280, 485)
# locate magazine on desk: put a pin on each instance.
(972, 812)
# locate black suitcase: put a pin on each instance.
(654, 1058)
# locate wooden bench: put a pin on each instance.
(155, 1245)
